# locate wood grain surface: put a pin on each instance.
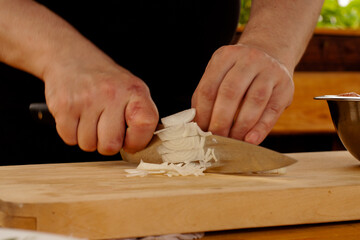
(96, 200)
(328, 231)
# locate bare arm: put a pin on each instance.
(32, 36)
(247, 86)
(282, 28)
(91, 97)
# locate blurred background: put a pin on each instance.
(335, 14)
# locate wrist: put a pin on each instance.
(290, 72)
(280, 53)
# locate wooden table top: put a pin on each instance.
(96, 200)
(327, 231)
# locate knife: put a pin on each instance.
(234, 156)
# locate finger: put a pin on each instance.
(111, 129)
(230, 93)
(279, 101)
(66, 126)
(205, 94)
(87, 130)
(254, 103)
(142, 118)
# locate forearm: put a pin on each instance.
(32, 38)
(282, 28)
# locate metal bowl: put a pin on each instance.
(345, 114)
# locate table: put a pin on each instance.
(327, 231)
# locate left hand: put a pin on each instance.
(242, 93)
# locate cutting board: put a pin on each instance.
(17, 234)
(96, 200)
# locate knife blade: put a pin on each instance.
(234, 156)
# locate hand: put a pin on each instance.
(242, 93)
(99, 105)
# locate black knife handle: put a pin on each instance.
(41, 113)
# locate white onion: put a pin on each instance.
(185, 156)
(182, 149)
(179, 118)
(181, 144)
(169, 169)
(180, 131)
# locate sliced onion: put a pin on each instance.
(181, 144)
(179, 118)
(169, 169)
(180, 131)
(189, 169)
(185, 156)
(152, 166)
(182, 149)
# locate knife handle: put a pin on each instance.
(41, 113)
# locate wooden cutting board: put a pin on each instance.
(96, 200)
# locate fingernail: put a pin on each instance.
(252, 137)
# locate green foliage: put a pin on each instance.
(336, 16)
(244, 11)
(332, 14)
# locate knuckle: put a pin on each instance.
(144, 122)
(138, 87)
(86, 99)
(219, 51)
(243, 125)
(108, 89)
(275, 109)
(224, 51)
(266, 126)
(60, 104)
(111, 89)
(248, 122)
(229, 91)
(239, 132)
(207, 93)
(141, 115)
(259, 97)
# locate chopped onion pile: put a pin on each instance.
(168, 169)
(182, 150)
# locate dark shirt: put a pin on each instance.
(165, 43)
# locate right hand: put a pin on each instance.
(96, 103)
(99, 105)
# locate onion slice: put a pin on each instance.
(182, 149)
(185, 156)
(168, 169)
(181, 144)
(182, 117)
(180, 131)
